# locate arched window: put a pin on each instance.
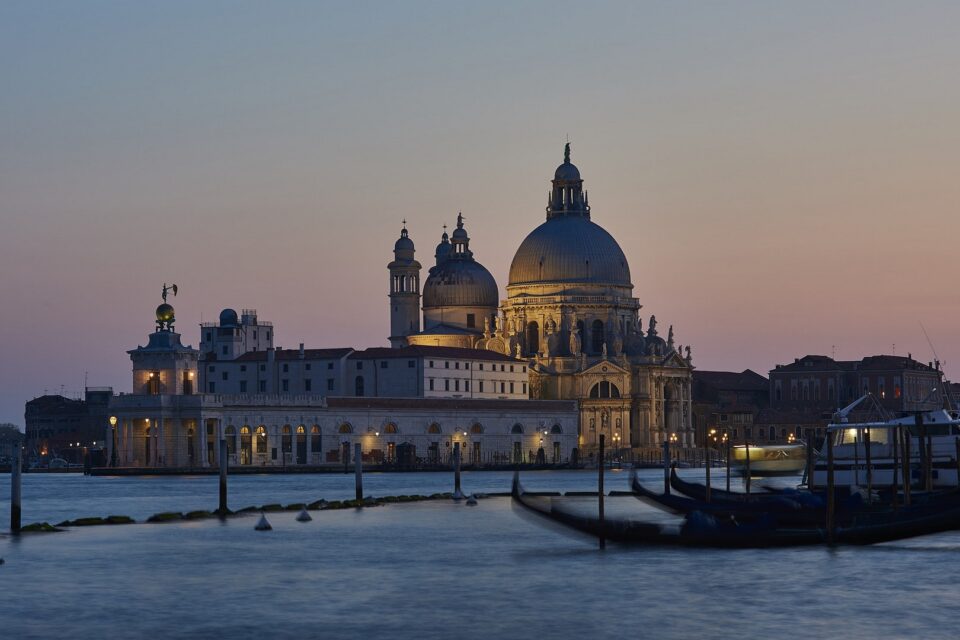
(315, 439)
(582, 329)
(556, 429)
(246, 445)
(604, 390)
(596, 336)
(476, 429)
(300, 430)
(261, 439)
(516, 429)
(434, 428)
(533, 338)
(358, 386)
(390, 428)
(345, 428)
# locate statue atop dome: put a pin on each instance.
(165, 312)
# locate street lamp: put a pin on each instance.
(113, 441)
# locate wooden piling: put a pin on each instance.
(867, 459)
(706, 460)
(728, 464)
(746, 470)
(957, 441)
(895, 437)
(929, 484)
(457, 494)
(16, 469)
(666, 465)
(810, 465)
(358, 470)
(831, 498)
(222, 509)
(603, 542)
(907, 475)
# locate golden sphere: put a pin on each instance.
(165, 313)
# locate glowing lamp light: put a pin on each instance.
(113, 421)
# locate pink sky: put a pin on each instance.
(782, 180)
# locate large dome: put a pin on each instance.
(460, 283)
(569, 249)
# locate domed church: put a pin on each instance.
(569, 311)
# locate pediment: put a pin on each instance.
(604, 368)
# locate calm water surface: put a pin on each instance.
(433, 570)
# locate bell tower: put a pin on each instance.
(404, 291)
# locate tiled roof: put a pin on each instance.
(746, 380)
(423, 351)
(294, 354)
(870, 363)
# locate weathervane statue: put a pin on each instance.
(165, 313)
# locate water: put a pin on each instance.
(433, 570)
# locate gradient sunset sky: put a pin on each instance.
(783, 178)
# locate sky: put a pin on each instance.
(781, 176)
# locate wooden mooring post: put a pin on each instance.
(746, 468)
(16, 469)
(957, 441)
(895, 436)
(358, 469)
(603, 542)
(457, 494)
(869, 462)
(706, 459)
(831, 498)
(907, 472)
(666, 466)
(728, 465)
(222, 509)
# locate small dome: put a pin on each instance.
(443, 249)
(403, 243)
(165, 313)
(228, 318)
(567, 172)
(459, 234)
(570, 249)
(460, 283)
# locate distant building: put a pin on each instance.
(280, 407)
(60, 427)
(805, 394)
(726, 403)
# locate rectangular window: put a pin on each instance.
(359, 365)
(446, 364)
(285, 385)
(501, 387)
(254, 335)
(481, 366)
(466, 385)
(243, 367)
(263, 367)
(481, 386)
(213, 387)
(286, 368)
(209, 336)
(524, 388)
(243, 386)
(431, 384)
(511, 368)
(225, 375)
(431, 364)
(471, 321)
(329, 384)
(307, 366)
(329, 366)
(224, 350)
(383, 364)
(511, 387)
(466, 365)
(456, 365)
(411, 364)
(523, 369)
(211, 369)
(446, 385)
(502, 368)
(263, 386)
(308, 385)
(456, 385)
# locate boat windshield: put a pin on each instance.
(882, 435)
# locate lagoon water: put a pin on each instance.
(433, 570)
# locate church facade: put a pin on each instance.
(569, 312)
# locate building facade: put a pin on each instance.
(569, 313)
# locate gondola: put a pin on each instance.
(698, 491)
(699, 529)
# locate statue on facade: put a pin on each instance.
(603, 351)
(670, 337)
(575, 344)
(517, 351)
(652, 331)
(689, 357)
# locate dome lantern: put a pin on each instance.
(567, 197)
